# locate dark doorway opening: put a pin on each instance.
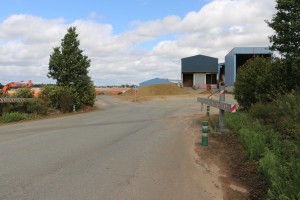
(241, 59)
(222, 73)
(188, 80)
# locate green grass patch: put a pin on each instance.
(277, 155)
(12, 117)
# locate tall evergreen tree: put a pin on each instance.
(286, 40)
(286, 24)
(69, 67)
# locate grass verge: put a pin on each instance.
(277, 157)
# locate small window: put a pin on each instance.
(211, 78)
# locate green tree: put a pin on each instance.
(69, 67)
(259, 80)
(286, 40)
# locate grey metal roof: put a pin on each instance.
(155, 81)
(199, 63)
(251, 50)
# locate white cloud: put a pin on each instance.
(26, 42)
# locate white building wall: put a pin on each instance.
(199, 79)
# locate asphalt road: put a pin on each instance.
(128, 150)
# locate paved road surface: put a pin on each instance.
(126, 151)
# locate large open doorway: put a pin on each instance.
(188, 80)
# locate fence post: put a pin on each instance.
(221, 112)
(204, 133)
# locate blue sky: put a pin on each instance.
(116, 12)
(127, 41)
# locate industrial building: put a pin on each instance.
(238, 57)
(199, 71)
(155, 81)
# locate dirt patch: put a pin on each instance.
(156, 90)
(239, 176)
(111, 91)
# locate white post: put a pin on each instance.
(221, 99)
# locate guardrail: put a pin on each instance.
(221, 104)
(218, 104)
(13, 100)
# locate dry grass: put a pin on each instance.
(157, 90)
(161, 91)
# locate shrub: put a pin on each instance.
(283, 115)
(66, 101)
(49, 94)
(21, 106)
(278, 157)
(254, 139)
(11, 117)
(58, 97)
(282, 176)
(254, 143)
(268, 165)
(36, 106)
(24, 93)
(5, 108)
(259, 80)
(235, 121)
(253, 135)
(85, 93)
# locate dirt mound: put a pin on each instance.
(128, 93)
(157, 90)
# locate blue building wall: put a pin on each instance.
(229, 68)
(231, 60)
(155, 81)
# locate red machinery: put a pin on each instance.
(15, 85)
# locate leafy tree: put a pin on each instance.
(259, 80)
(286, 40)
(69, 67)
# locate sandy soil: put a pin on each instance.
(238, 175)
(154, 90)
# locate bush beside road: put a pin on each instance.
(271, 136)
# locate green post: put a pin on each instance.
(74, 108)
(207, 111)
(204, 133)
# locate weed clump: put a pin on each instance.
(271, 134)
(12, 117)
